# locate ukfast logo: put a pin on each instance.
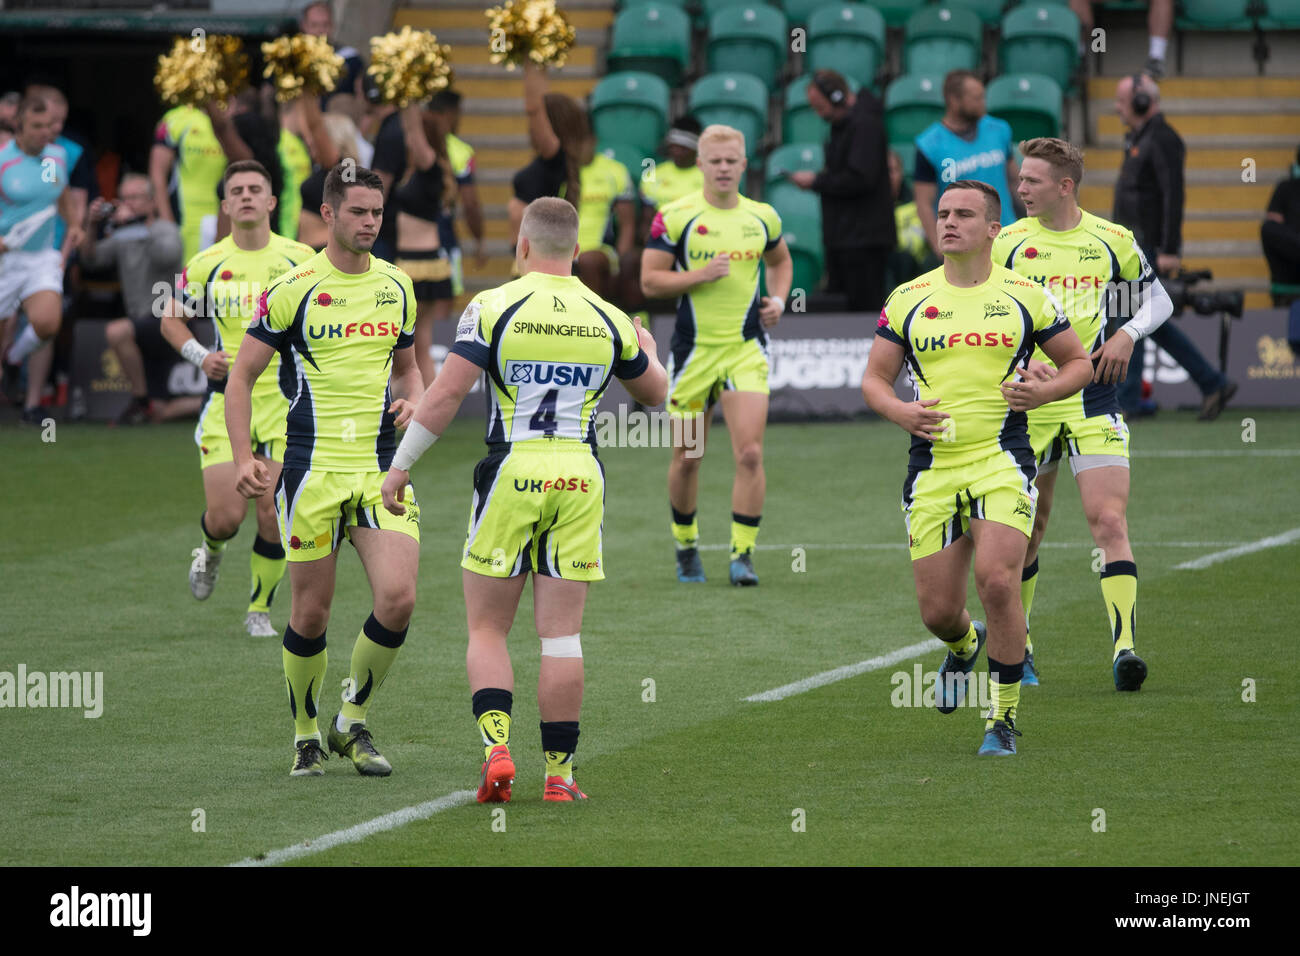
(556, 374)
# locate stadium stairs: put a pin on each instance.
(492, 114)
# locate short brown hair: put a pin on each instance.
(245, 166)
(1064, 157)
(992, 201)
(345, 175)
(955, 82)
(551, 226)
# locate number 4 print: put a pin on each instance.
(543, 419)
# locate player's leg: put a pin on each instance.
(304, 656)
(1046, 484)
(940, 578)
(120, 335)
(746, 417)
(557, 610)
(690, 434)
(223, 513)
(267, 560)
(44, 311)
(1104, 491)
(490, 606)
(999, 558)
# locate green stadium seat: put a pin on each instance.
(1282, 15)
(907, 154)
(631, 108)
(749, 39)
(942, 38)
(651, 38)
(896, 12)
(790, 158)
(797, 12)
(625, 4)
(989, 11)
(1041, 38)
(792, 202)
(738, 100)
(1030, 102)
(912, 103)
(848, 38)
(801, 227)
(1215, 15)
(799, 124)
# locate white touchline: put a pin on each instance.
(847, 671)
(884, 546)
(1276, 541)
(1218, 453)
(389, 821)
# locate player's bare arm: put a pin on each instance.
(161, 159)
(916, 418)
(254, 356)
(780, 276)
(214, 364)
(650, 388)
(659, 281)
(406, 385)
(1073, 372)
(924, 194)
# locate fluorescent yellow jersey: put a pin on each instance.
(200, 163)
(666, 181)
(1077, 266)
(959, 346)
(295, 161)
(224, 283)
(549, 347)
(724, 312)
(461, 155)
(604, 181)
(339, 330)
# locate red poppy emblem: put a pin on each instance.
(324, 299)
(1031, 252)
(702, 229)
(931, 313)
(226, 273)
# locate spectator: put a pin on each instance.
(912, 255)
(446, 106)
(8, 115)
(390, 160)
(857, 219)
(1160, 20)
(661, 183)
(146, 250)
(1149, 200)
(186, 165)
(249, 129)
(348, 95)
(81, 170)
(340, 144)
(966, 144)
(1280, 233)
(559, 132)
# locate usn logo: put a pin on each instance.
(554, 373)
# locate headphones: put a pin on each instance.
(1141, 100)
(832, 93)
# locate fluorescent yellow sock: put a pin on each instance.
(304, 673)
(744, 533)
(1028, 583)
(372, 655)
(494, 726)
(686, 530)
(965, 645)
(1004, 691)
(267, 564)
(559, 741)
(1119, 585)
(559, 764)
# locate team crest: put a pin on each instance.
(385, 297)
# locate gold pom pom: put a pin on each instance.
(201, 69)
(524, 30)
(409, 66)
(301, 65)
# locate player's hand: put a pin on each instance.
(1112, 359)
(803, 178)
(100, 209)
(254, 479)
(1022, 395)
(480, 256)
(920, 419)
(1167, 264)
(394, 490)
(216, 366)
(75, 237)
(644, 338)
(769, 313)
(403, 410)
(719, 267)
(1039, 371)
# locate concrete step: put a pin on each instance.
(567, 5)
(475, 36)
(1200, 177)
(1246, 229)
(448, 16)
(1238, 197)
(504, 92)
(1262, 139)
(1275, 126)
(1222, 247)
(1227, 269)
(497, 157)
(1099, 158)
(490, 71)
(471, 49)
(474, 126)
(1181, 87)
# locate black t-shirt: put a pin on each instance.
(541, 177)
(390, 158)
(312, 191)
(421, 195)
(1286, 201)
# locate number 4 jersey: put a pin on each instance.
(549, 347)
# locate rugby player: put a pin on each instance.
(549, 347)
(224, 282)
(1078, 257)
(705, 248)
(963, 331)
(346, 320)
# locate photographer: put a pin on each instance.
(1149, 200)
(146, 250)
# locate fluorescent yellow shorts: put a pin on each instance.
(267, 429)
(315, 508)
(537, 509)
(939, 503)
(1093, 442)
(699, 374)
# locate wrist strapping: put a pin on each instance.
(777, 298)
(194, 353)
(414, 443)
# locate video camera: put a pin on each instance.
(1180, 291)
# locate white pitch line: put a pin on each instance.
(886, 546)
(847, 671)
(1276, 541)
(1219, 453)
(389, 821)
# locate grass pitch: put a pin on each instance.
(93, 561)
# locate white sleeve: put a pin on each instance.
(1155, 309)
